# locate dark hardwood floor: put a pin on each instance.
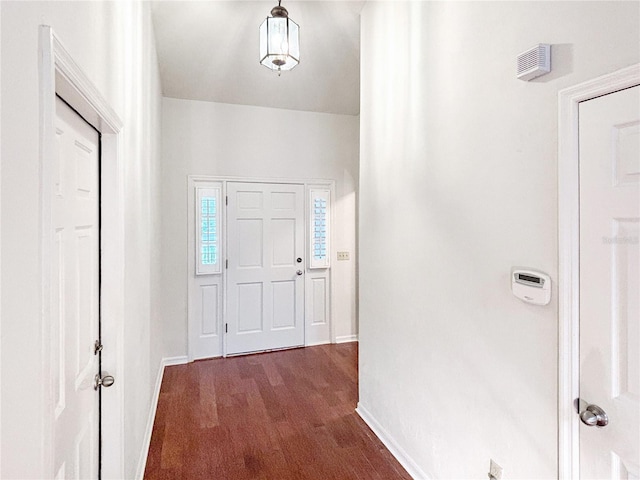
(273, 416)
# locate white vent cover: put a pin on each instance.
(534, 62)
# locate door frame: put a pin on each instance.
(192, 181)
(568, 258)
(60, 75)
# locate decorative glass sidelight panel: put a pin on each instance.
(320, 225)
(319, 229)
(207, 230)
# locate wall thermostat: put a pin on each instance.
(531, 286)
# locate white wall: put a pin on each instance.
(113, 43)
(458, 184)
(0, 243)
(204, 138)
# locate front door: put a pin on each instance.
(75, 287)
(610, 286)
(265, 252)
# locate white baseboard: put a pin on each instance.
(396, 450)
(314, 344)
(168, 361)
(165, 362)
(347, 338)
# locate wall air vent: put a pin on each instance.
(534, 62)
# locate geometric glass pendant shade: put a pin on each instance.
(279, 41)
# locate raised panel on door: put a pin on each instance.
(209, 309)
(205, 312)
(610, 283)
(284, 242)
(85, 293)
(58, 317)
(74, 298)
(250, 251)
(284, 304)
(319, 301)
(265, 286)
(250, 308)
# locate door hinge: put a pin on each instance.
(226, 328)
(97, 347)
(226, 263)
(226, 200)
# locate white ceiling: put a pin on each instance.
(208, 50)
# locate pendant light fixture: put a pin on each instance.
(279, 41)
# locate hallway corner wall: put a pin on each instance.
(458, 184)
(113, 44)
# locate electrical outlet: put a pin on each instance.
(343, 255)
(495, 471)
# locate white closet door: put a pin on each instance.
(610, 284)
(75, 269)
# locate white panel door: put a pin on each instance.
(609, 284)
(265, 284)
(75, 295)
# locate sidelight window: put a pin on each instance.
(320, 223)
(208, 230)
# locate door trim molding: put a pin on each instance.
(60, 75)
(568, 257)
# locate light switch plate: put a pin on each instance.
(343, 255)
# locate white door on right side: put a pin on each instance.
(610, 285)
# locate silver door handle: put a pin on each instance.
(299, 272)
(594, 416)
(103, 381)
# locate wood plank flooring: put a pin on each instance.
(273, 416)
